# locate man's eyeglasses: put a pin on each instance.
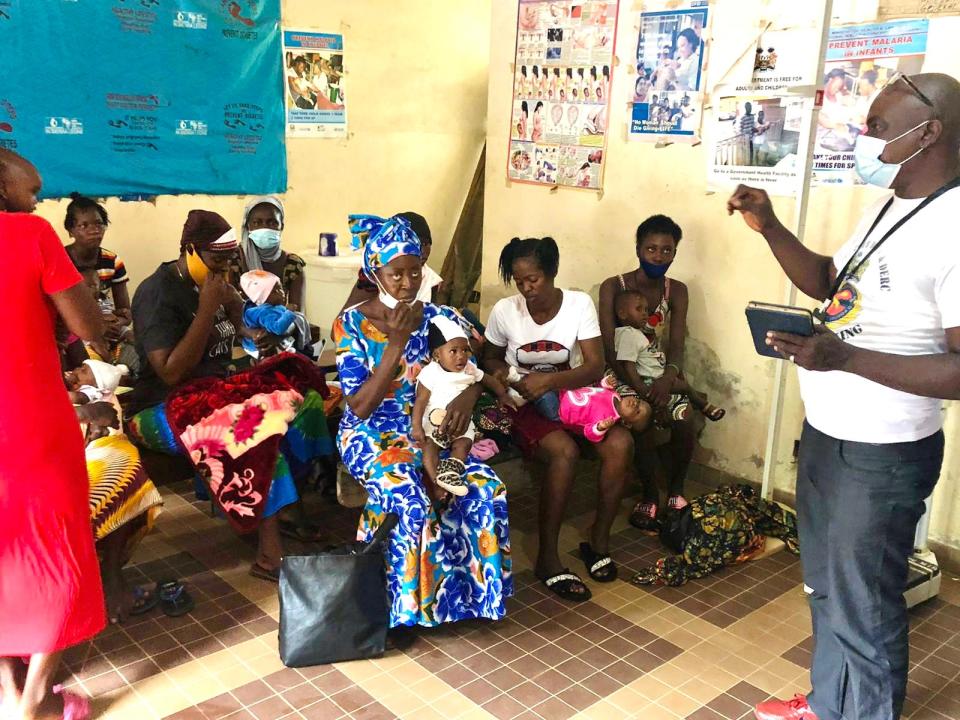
(913, 86)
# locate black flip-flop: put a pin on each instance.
(174, 598)
(147, 599)
(258, 571)
(563, 583)
(307, 532)
(599, 565)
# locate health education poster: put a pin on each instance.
(861, 60)
(670, 84)
(132, 110)
(758, 132)
(313, 84)
(759, 140)
(561, 92)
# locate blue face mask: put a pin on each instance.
(655, 271)
(265, 239)
(866, 158)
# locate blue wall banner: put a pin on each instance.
(145, 97)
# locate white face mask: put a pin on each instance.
(386, 298)
(871, 169)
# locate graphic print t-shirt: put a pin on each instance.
(551, 347)
(163, 308)
(900, 301)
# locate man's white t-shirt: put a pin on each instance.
(900, 302)
(551, 347)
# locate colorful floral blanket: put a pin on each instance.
(232, 429)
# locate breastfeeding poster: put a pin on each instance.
(313, 84)
(861, 60)
(670, 84)
(561, 92)
(141, 99)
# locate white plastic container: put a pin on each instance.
(329, 282)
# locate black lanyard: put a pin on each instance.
(847, 272)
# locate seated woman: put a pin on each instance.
(124, 504)
(542, 332)
(248, 436)
(666, 328)
(365, 289)
(448, 559)
(260, 249)
(86, 222)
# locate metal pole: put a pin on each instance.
(790, 296)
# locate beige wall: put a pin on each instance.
(416, 92)
(724, 264)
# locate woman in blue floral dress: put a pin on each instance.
(449, 558)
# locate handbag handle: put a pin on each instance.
(390, 521)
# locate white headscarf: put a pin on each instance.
(250, 252)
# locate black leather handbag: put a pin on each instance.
(334, 606)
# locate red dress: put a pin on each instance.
(50, 590)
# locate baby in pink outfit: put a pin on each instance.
(592, 411)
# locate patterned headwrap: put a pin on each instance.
(382, 240)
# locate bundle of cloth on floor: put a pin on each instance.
(718, 529)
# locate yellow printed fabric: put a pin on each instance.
(120, 490)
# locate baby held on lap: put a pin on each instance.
(450, 371)
(266, 310)
(588, 411)
(643, 362)
(94, 381)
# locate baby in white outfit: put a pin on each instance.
(450, 372)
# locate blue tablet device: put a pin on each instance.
(765, 317)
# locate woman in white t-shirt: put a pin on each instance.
(552, 337)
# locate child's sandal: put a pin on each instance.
(713, 413)
(450, 476)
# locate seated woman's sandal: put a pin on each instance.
(450, 473)
(599, 565)
(567, 585)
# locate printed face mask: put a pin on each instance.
(196, 267)
(866, 157)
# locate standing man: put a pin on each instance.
(871, 379)
(748, 126)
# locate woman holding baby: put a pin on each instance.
(449, 557)
(546, 341)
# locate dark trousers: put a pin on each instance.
(858, 505)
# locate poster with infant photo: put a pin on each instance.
(561, 89)
(669, 87)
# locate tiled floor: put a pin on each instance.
(706, 651)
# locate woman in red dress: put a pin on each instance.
(50, 590)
